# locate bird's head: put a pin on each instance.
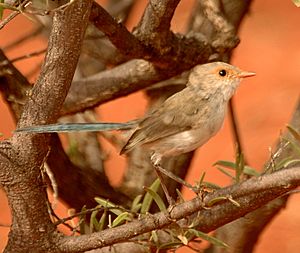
(217, 77)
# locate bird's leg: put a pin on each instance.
(155, 160)
(156, 164)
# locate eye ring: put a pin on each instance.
(223, 72)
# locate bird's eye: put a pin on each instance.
(222, 72)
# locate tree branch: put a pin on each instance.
(154, 26)
(22, 156)
(110, 84)
(120, 9)
(250, 195)
(117, 33)
(226, 36)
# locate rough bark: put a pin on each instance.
(22, 156)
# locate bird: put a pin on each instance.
(184, 122)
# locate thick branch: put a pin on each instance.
(154, 27)
(226, 37)
(117, 33)
(110, 84)
(58, 68)
(21, 159)
(169, 51)
(250, 195)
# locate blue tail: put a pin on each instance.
(76, 127)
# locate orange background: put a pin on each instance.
(269, 46)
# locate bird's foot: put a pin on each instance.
(156, 162)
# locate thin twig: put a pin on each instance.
(5, 225)
(9, 18)
(34, 71)
(17, 11)
(271, 165)
(26, 56)
(53, 184)
(41, 12)
(117, 33)
(62, 222)
(88, 211)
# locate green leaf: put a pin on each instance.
(8, 6)
(202, 178)
(240, 164)
(136, 205)
(209, 238)
(106, 204)
(183, 239)
(251, 171)
(290, 162)
(211, 185)
(216, 200)
(226, 164)
(121, 219)
(281, 163)
(102, 220)
(225, 172)
(292, 130)
(231, 165)
(170, 245)
(234, 201)
(154, 237)
(297, 2)
(221, 198)
(295, 146)
(158, 200)
(82, 221)
(147, 201)
(1, 11)
(94, 225)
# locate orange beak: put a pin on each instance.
(244, 74)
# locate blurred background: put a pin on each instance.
(264, 104)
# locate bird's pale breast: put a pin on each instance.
(189, 140)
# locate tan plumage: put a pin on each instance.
(189, 118)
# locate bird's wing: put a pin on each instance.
(174, 116)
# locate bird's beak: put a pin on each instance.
(244, 74)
